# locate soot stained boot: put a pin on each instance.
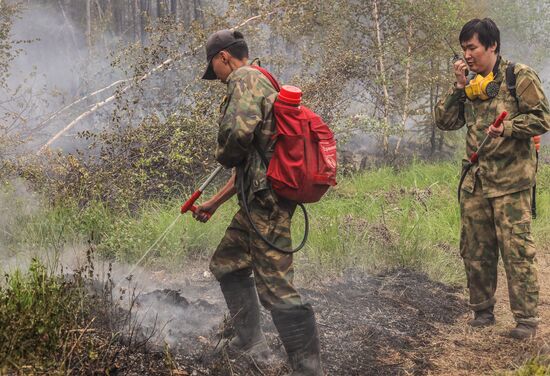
(241, 298)
(524, 331)
(298, 331)
(482, 318)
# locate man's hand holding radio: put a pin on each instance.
(460, 68)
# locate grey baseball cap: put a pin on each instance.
(217, 42)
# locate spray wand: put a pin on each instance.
(475, 155)
(187, 206)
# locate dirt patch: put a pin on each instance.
(460, 350)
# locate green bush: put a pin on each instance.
(37, 309)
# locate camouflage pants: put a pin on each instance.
(490, 224)
(242, 251)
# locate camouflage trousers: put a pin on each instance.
(492, 224)
(242, 251)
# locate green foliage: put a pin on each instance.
(153, 160)
(376, 66)
(372, 220)
(57, 324)
(37, 309)
(8, 51)
(376, 219)
(161, 133)
(537, 366)
(385, 218)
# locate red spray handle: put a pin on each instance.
(536, 140)
(500, 119)
(475, 155)
(189, 204)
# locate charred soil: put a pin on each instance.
(369, 325)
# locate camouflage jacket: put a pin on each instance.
(246, 119)
(506, 164)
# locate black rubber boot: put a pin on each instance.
(483, 318)
(242, 301)
(523, 331)
(298, 331)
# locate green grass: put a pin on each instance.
(382, 219)
(372, 221)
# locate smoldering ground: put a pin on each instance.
(369, 325)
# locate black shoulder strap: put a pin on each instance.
(511, 81)
(263, 157)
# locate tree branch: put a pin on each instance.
(137, 80)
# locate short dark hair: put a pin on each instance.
(239, 50)
(486, 30)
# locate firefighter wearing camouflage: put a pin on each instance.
(244, 264)
(250, 103)
(496, 195)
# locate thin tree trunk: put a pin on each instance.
(432, 113)
(135, 18)
(186, 12)
(197, 7)
(89, 25)
(118, 16)
(174, 9)
(69, 24)
(406, 99)
(99, 11)
(160, 9)
(382, 71)
(143, 19)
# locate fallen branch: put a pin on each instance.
(101, 104)
(55, 114)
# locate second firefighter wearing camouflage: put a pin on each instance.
(496, 199)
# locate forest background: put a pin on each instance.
(106, 127)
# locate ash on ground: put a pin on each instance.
(172, 319)
(369, 325)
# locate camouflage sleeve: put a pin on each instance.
(449, 111)
(534, 115)
(242, 114)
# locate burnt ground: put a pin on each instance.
(396, 323)
(369, 325)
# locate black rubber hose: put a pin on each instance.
(534, 196)
(240, 187)
(465, 170)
